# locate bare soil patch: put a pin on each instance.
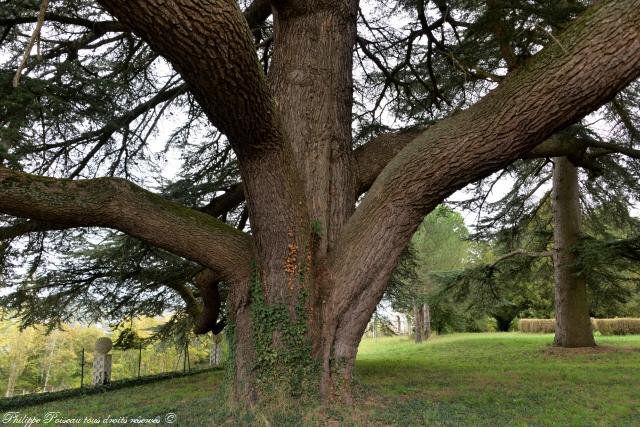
(579, 351)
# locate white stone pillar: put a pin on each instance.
(102, 362)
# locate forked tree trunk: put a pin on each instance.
(320, 268)
(306, 281)
(573, 325)
(310, 77)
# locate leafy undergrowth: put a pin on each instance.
(463, 379)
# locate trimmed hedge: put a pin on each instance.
(542, 326)
(38, 398)
(617, 326)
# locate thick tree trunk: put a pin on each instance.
(573, 326)
(314, 117)
(315, 113)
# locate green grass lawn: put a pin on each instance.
(463, 379)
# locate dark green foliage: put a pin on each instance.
(127, 339)
(520, 282)
(91, 102)
(118, 279)
(612, 268)
(438, 246)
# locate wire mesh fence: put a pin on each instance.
(63, 363)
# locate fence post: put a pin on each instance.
(188, 358)
(184, 366)
(82, 370)
(139, 360)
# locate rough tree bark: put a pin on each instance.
(306, 282)
(573, 325)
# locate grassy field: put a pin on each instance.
(464, 379)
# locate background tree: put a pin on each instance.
(438, 245)
(612, 180)
(609, 185)
(516, 277)
(573, 326)
(304, 282)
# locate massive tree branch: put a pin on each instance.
(207, 282)
(372, 157)
(586, 66)
(211, 46)
(121, 205)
